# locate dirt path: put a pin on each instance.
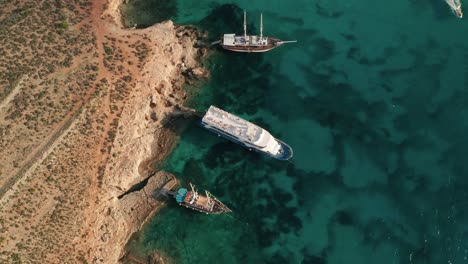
(71, 176)
(36, 158)
(38, 154)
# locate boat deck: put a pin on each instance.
(232, 124)
(202, 201)
(233, 40)
(249, 44)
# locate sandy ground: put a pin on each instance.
(59, 198)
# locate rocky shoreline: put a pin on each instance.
(143, 138)
(82, 117)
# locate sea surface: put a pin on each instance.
(374, 101)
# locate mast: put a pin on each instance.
(245, 26)
(208, 197)
(261, 26)
(194, 194)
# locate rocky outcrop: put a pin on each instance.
(154, 258)
(143, 138)
(127, 213)
(137, 206)
(72, 157)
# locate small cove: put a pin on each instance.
(375, 108)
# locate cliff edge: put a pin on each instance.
(83, 104)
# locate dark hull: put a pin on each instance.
(273, 43)
(218, 208)
(286, 151)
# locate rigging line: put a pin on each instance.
(237, 219)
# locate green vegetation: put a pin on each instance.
(63, 25)
(16, 258)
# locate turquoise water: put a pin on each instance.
(373, 99)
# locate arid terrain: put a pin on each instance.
(82, 109)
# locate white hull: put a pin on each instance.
(244, 133)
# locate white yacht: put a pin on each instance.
(243, 132)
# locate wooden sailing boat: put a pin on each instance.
(251, 43)
(202, 203)
(455, 5)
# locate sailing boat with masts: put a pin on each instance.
(203, 203)
(455, 5)
(251, 43)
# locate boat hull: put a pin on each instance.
(220, 208)
(217, 208)
(273, 43)
(248, 49)
(207, 204)
(286, 151)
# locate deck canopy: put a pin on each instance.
(229, 39)
(180, 196)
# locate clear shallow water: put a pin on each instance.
(372, 98)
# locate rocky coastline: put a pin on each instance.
(83, 115)
(144, 137)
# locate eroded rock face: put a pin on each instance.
(126, 215)
(139, 205)
(96, 137)
(199, 72)
(154, 258)
(143, 139)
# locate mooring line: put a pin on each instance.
(237, 219)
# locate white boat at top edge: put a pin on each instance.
(455, 5)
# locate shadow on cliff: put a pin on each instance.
(180, 118)
(145, 13)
